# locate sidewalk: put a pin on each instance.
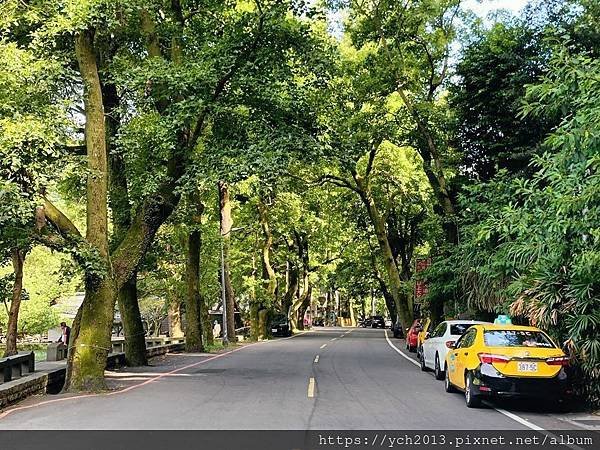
(48, 377)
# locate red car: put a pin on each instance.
(412, 335)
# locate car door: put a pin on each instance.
(459, 357)
(430, 349)
(438, 344)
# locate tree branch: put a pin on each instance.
(336, 181)
(62, 223)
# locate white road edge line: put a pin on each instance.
(516, 418)
(311, 387)
(316, 359)
(323, 346)
(508, 414)
(408, 358)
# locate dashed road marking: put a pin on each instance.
(311, 387)
(323, 346)
(334, 339)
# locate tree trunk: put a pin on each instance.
(226, 227)
(133, 327)
(404, 312)
(193, 328)
(268, 276)
(90, 337)
(18, 260)
(268, 273)
(90, 341)
(135, 342)
(288, 298)
(175, 329)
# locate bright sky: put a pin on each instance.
(483, 7)
(480, 7)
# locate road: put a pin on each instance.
(329, 378)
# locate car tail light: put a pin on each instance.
(488, 358)
(449, 344)
(558, 361)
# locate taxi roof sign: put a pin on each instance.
(502, 319)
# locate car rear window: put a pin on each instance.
(458, 329)
(516, 338)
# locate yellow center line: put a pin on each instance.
(311, 387)
(323, 346)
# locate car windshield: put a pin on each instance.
(516, 338)
(458, 329)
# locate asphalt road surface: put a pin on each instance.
(329, 378)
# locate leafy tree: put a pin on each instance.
(493, 72)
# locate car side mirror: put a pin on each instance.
(453, 345)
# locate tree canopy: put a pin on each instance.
(171, 158)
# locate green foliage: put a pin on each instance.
(533, 244)
(493, 73)
(45, 282)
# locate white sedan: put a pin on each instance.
(438, 343)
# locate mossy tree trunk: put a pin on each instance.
(226, 221)
(174, 313)
(193, 300)
(91, 332)
(18, 261)
(268, 275)
(133, 327)
(405, 313)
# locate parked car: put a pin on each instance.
(507, 361)
(397, 330)
(412, 335)
(439, 342)
(422, 335)
(366, 322)
(377, 322)
(318, 322)
(280, 326)
(388, 323)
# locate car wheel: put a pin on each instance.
(447, 385)
(419, 351)
(472, 400)
(423, 366)
(439, 373)
(412, 349)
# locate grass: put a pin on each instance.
(39, 350)
(214, 348)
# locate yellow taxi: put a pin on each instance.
(505, 360)
(422, 334)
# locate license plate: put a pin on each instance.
(273, 330)
(527, 367)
